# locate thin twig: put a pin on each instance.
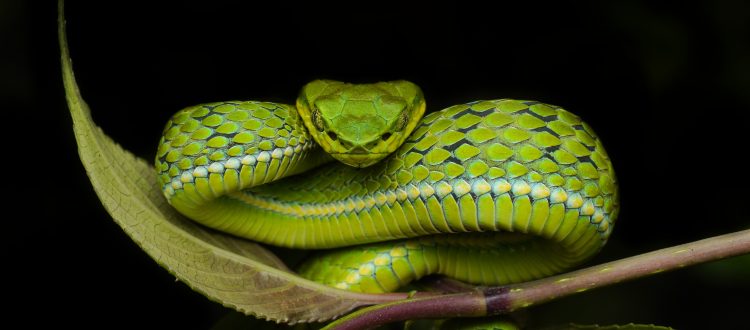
(543, 290)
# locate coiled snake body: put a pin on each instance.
(487, 192)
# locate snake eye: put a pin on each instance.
(317, 119)
(401, 124)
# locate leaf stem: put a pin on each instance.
(506, 299)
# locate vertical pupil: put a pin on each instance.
(317, 120)
(401, 124)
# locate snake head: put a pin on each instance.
(360, 124)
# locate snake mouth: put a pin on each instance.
(359, 154)
(359, 160)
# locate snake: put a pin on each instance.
(489, 192)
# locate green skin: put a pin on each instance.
(488, 192)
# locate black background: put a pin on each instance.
(666, 86)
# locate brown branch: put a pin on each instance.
(543, 290)
(506, 299)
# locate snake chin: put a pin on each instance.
(359, 160)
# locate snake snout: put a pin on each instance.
(358, 150)
(355, 147)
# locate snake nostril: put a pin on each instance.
(385, 136)
(371, 145)
(346, 144)
(332, 135)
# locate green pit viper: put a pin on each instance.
(487, 192)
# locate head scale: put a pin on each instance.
(360, 124)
